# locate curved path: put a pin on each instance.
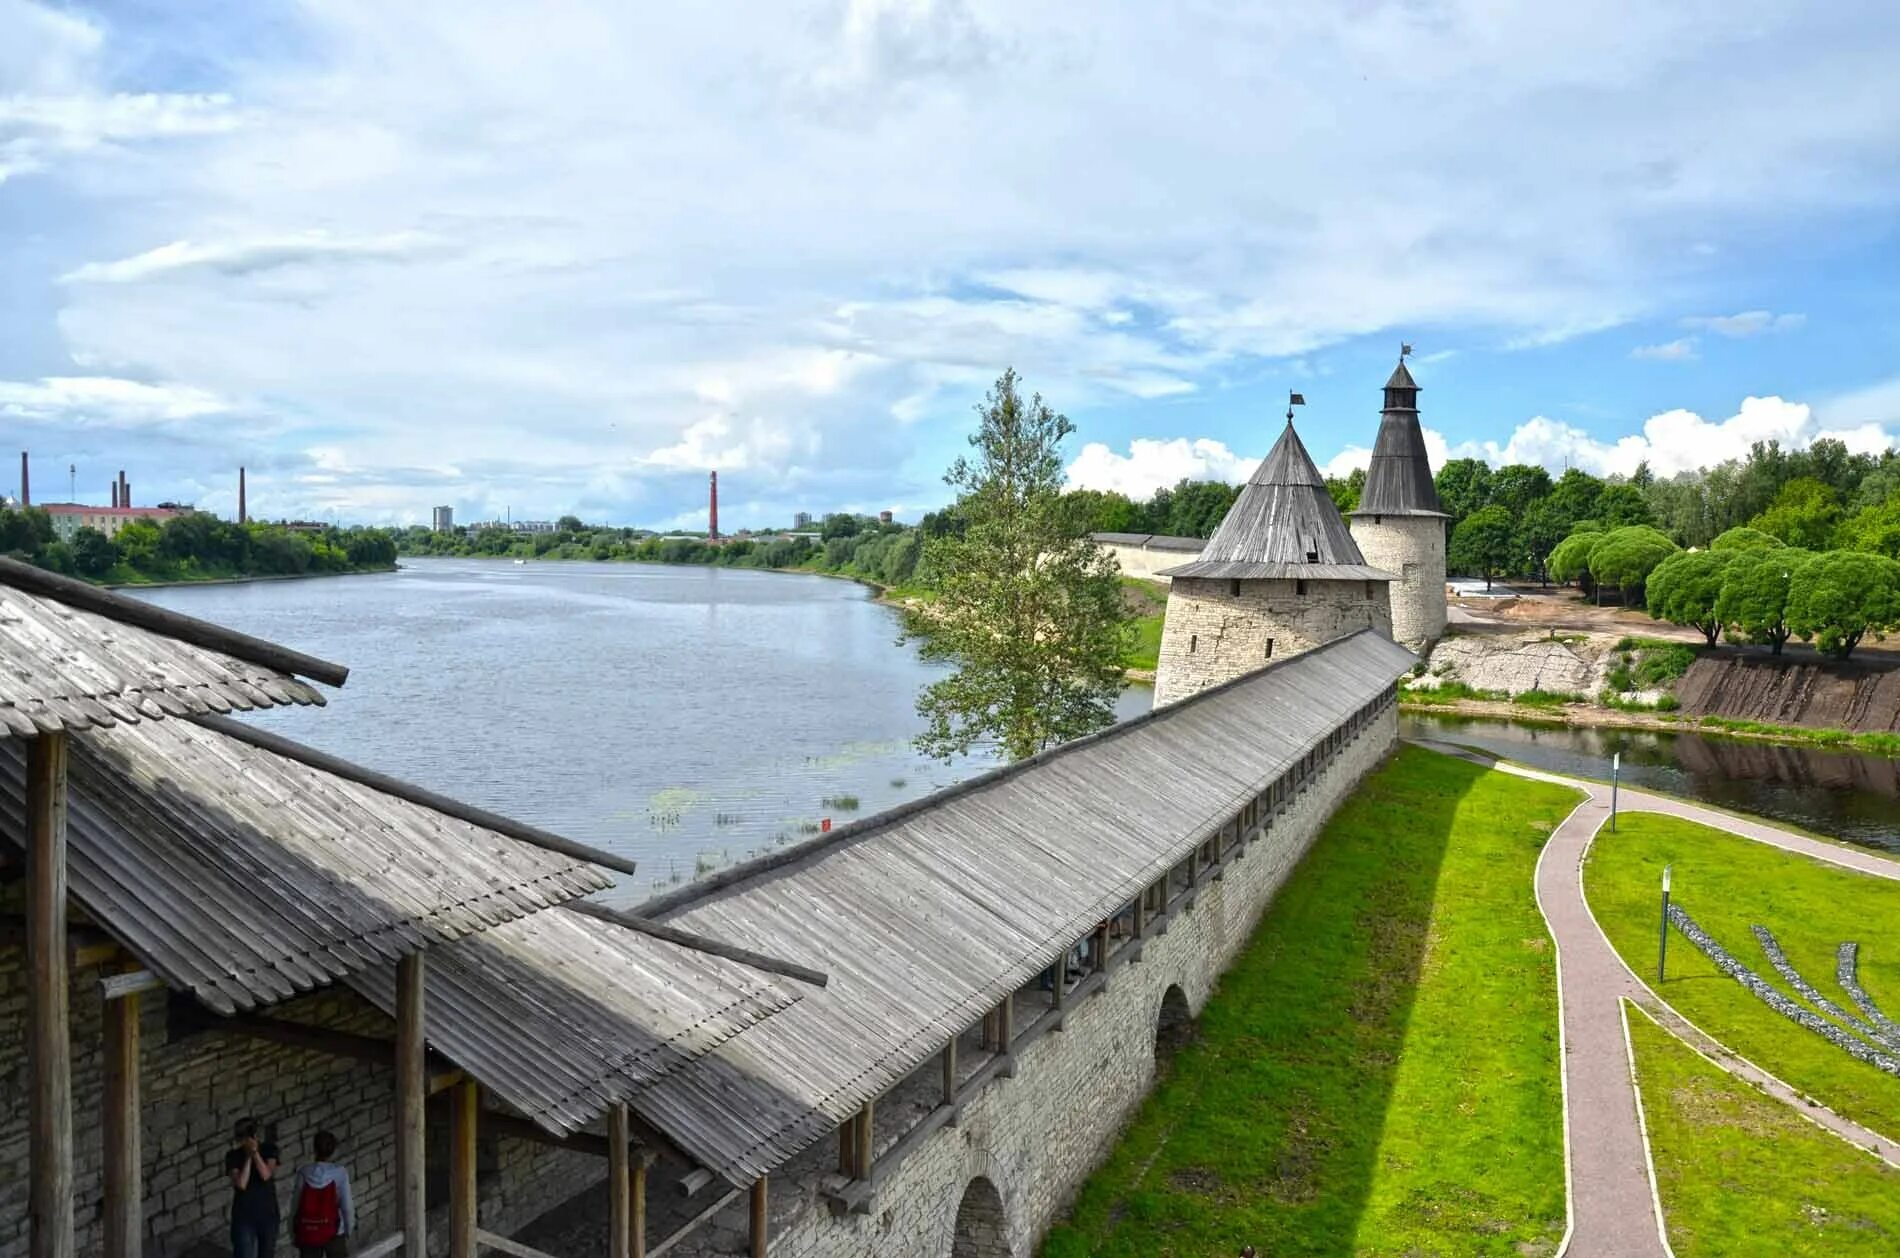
(1613, 1205)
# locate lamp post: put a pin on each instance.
(1662, 941)
(1616, 764)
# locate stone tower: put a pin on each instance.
(1398, 524)
(1281, 575)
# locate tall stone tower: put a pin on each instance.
(1281, 575)
(1398, 524)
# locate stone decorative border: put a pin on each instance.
(1764, 991)
(1847, 974)
(1771, 948)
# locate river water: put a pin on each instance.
(687, 717)
(690, 717)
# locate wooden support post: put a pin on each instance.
(619, 1184)
(1194, 868)
(1062, 979)
(1141, 914)
(411, 1090)
(49, 1057)
(760, 1221)
(848, 1147)
(862, 1155)
(465, 1103)
(1006, 1023)
(637, 1224)
(1101, 948)
(120, 1131)
(950, 1072)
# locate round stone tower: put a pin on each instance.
(1281, 575)
(1398, 524)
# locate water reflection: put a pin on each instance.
(1844, 794)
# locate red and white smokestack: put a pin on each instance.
(712, 527)
(243, 516)
(26, 484)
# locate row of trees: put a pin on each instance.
(1755, 589)
(192, 546)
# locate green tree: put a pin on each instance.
(569, 524)
(1087, 511)
(1516, 486)
(1625, 558)
(1482, 543)
(1574, 496)
(1837, 598)
(1875, 529)
(1622, 505)
(1803, 514)
(839, 524)
(1346, 491)
(94, 554)
(1032, 618)
(1741, 537)
(1196, 507)
(1684, 588)
(1464, 486)
(1539, 530)
(1569, 560)
(1753, 604)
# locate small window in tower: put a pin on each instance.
(1369, 589)
(1269, 648)
(1299, 587)
(1194, 640)
(1312, 556)
(1233, 588)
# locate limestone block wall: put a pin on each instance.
(1038, 1135)
(196, 1087)
(1411, 548)
(1214, 633)
(1146, 562)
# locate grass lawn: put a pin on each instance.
(1378, 1073)
(1741, 1173)
(1146, 601)
(1729, 884)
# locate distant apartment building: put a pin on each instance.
(533, 526)
(444, 520)
(883, 517)
(69, 517)
(801, 520)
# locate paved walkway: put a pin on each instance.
(1612, 1203)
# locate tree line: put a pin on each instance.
(194, 546)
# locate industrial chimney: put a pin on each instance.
(115, 495)
(712, 527)
(26, 486)
(125, 490)
(243, 516)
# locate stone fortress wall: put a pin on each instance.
(1411, 548)
(1147, 556)
(1213, 633)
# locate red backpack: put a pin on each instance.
(318, 1219)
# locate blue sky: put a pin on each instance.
(568, 257)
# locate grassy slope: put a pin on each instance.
(1147, 601)
(1729, 884)
(1741, 1173)
(1378, 1072)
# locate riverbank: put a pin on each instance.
(1583, 715)
(172, 582)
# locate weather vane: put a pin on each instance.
(1404, 350)
(1293, 400)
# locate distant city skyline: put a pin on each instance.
(394, 257)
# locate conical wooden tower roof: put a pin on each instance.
(1283, 524)
(1399, 478)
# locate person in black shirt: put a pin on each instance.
(252, 1165)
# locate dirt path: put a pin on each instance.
(1613, 1206)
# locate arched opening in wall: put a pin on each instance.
(1174, 1027)
(982, 1228)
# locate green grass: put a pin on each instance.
(1445, 694)
(1147, 602)
(1877, 743)
(1729, 884)
(1377, 1074)
(1742, 1173)
(1547, 698)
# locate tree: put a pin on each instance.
(1619, 506)
(1837, 598)
(839, 524)
(1741, 537)
(1482, 543)
(1032, 618)
(1570, 559)
(1684, 588)
(1197, 507)
(1753, 604)
(1464, 486)
(1625, 558)
(1087, 511)
(1803, 514)
(1346, 492)
(1539, 530)
(1875, 529)
(569, 524)
(94, 554)
(1518, 485)
(1575, 495)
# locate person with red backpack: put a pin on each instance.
(322, 1215)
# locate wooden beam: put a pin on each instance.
(1006, 1021)
(1062, 978)
(619, 1184)
(694, 1180)
(119, 986)
(465, 1107)
(863, 1150)
(532, 835)
(950, 1072)
(760, 1221)
(411, 1182)
(162, 620)
(637, 1228)
(121, 1132)
(522, 1129)
(502, 1245)
(382, 1248)
(699, 943)
(49, 1036)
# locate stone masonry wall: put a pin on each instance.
(1145, 562)
(1412, 548)
(1038, 1135)
(196, 1088)
(1212, 635)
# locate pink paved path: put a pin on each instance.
(1612, 1203)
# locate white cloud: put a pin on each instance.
(1151, 463)
(1747, 323)
(248, 257)
(105, 401)
(1682, 350)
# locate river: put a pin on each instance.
(687, 717)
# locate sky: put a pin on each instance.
(533, 259)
